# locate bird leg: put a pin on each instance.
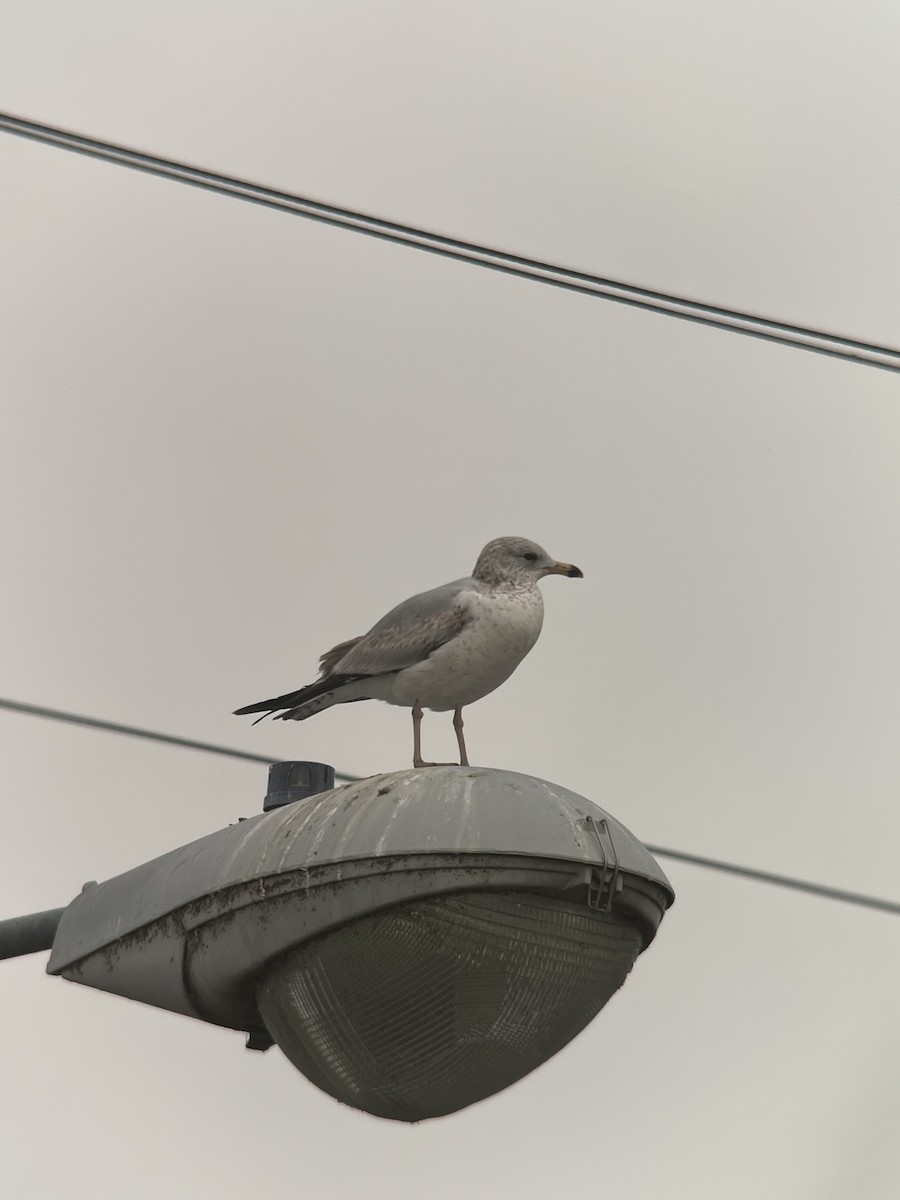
(417, 737)
(418, 761)
(461, 741)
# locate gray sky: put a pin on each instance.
(233, 438)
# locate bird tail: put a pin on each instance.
(307, 701)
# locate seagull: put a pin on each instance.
(440, 650)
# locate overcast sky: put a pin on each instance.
(232, 438)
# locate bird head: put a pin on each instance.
(516, 559)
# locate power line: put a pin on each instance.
(788, 881)
(55, 714)
(798, 336)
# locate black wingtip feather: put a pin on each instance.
(292, 700)
(263, 706)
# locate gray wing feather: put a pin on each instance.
(407, 635)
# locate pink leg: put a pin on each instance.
(417, 736)
(461, 741)
(418, 760)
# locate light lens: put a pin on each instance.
(423, 1009)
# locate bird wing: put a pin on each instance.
(406, 635)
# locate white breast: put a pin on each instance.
(504, 626)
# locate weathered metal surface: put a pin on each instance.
(187, 930)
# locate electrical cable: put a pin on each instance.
(54, 714)
(780, 332)
(787, 881)
(800, 885)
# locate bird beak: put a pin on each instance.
(565, 569)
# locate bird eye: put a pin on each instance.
(530, 556)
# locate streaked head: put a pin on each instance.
(516, 559)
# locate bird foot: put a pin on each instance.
(418, 762)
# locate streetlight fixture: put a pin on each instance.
(413, 942)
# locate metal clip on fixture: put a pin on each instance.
(604, 882)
